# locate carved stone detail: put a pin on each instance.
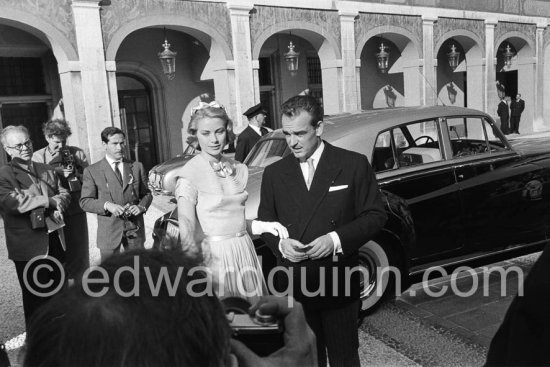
(264, 17)
(119, 13)
(445, 25)
(529, 30)
(368, 21)
(56, 12)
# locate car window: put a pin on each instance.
(472, 136)
(407, 145)
(421, 144)
(267, 152)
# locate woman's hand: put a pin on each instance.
(275, 228)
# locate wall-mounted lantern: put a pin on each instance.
(168, 59)
(382, 58)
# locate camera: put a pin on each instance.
(38, 218)
(261, 333)
(68, 162)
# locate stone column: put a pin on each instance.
(95, 89)
(331, 74)
(429, 80)
(239, 12)
(491, 97)
(73, 104)
(538, 101)
(351, 100)
(474, 74)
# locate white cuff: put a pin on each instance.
(254, 227)
(337, 243)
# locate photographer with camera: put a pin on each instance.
(69, 162)
(116, 190)
(171, 319)
(32, 203)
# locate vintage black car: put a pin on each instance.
(456, 191)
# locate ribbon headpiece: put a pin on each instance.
(202, 105)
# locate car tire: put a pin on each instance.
(376, 260)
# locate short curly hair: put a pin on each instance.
(56, 127)
(212, 112)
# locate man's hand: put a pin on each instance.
(320, 247)
(293, 250)
(300, 347)
(134, 210)
(57, 217)
(114, 209)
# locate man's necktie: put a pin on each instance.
(311, 172)
(118, 173)
(263, 130)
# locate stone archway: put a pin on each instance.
(522, 71)
(470, 80)
(401, 84)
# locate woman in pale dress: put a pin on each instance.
(211, 196)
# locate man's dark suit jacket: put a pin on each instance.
(504, 114)
(246, 140)
(100, 184)
(344, 197)
(523, 338)
(517, 107)
(23, 242)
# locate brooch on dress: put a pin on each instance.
(223, 169)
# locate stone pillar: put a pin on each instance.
(429, 82)
(95, 89)
(331, 73)
(474, 75)
(412, 82)
(538, 110)
(351, 100)
(239, 12)
(110, 67)
(73, 103)
(491, 97)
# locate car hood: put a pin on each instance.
(531, 146)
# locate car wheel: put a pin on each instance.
(375, 284)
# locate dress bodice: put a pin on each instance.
(219, 201)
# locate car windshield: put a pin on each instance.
(267, 152)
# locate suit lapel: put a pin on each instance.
(326, 172)
(128, 174)
(294, 181)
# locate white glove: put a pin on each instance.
(275, 228)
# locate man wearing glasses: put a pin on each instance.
(32, 202)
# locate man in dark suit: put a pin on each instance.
(30, 192)
(523, 338)
(517, 106)
(116, 190)
(504, 115)
(328, 198)
(254, 131)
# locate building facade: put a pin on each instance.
(97, 62)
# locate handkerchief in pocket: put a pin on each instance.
(336, 188)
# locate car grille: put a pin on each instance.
(155, 181)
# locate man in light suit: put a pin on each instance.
(328, 198)
(116, 190)
(30, 189)
(254, 131)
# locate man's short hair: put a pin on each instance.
(161, 326)
(295, 105)
(10, 129)
(110, 131)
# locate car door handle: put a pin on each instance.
(460, 177)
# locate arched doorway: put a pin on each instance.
(136, 116)
(451, 79)
(277, 83)
(399, 83)
(29, 83)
